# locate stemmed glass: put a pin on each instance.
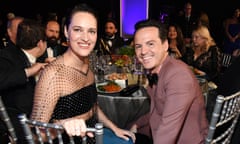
(102, 67)
(138, 69)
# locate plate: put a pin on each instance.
(100, 87)
(116, 76)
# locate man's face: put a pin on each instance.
(188, 9)
(149, 49)
(52, 33)
(110, 29)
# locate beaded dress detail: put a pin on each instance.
(75, 104)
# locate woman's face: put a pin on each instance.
(237, 12)
(82, 33)
(172, 33)
(198, 40)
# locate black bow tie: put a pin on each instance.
(152, 79)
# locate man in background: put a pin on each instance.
(111, 41)
(12, 25)
(54, 47)
(187, 21)
(18, 70)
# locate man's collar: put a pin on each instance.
(32, 59)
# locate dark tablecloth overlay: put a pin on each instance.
(123, 110)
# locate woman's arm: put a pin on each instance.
(125, 134)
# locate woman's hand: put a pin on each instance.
(125, 134)
(134, 128)
(49, 59)
(76, 127)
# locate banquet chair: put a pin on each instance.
(224, 118)
(226, 60)
(5, 118)
(47, 127)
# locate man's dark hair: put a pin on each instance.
(162, 29)
(29, 33)
(112, 21)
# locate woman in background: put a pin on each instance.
(176, 41)
(232, 32)
(204, 54)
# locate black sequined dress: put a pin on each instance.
(75, 104)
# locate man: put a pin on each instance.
(54, 48)
(111, 41)
(187, 22)
(177, 114)
(18, 70)
(12, 26)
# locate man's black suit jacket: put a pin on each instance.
(57, 50)
(117, 43)
(16, 89)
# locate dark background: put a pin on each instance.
(218, 10)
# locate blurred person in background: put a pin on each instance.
(204, 54)
(176, 41)
(12, 26)
(111, 39)
(187, 22)
(18, 72)
(54, 47)
(231, 25)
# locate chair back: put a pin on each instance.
(226, 60)
(47, 127)
(5, 118)
(224, 119)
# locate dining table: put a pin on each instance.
(125, 109)
(122, 110)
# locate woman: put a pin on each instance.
(204, 54)
(232, 32)
(176, 41)
(66, 88)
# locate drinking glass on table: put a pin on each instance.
(138, 70)
(137, 66)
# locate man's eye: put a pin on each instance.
(150, 44)
(76, 30)
(137, 46)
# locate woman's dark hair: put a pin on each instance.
(82, 7)
(180, 37)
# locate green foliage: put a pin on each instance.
(127, 50)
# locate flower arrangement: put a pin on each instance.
(121, 60)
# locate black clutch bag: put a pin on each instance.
(129, 90)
